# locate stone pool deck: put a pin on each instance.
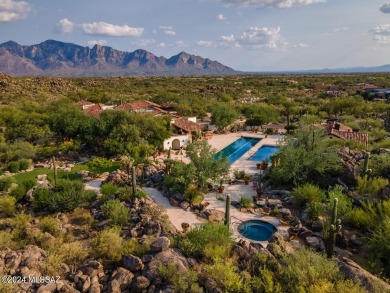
(177, 215)
(220, 141)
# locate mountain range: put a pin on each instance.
(54, 58)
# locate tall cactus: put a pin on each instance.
(335, 227)
(227, 211)
(134, 180)
(55, 171)
(365, 165)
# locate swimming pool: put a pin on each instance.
(264, 152)
(236, 149)
(257, 230)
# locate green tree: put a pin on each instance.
(222, 115)
(205, 166)
(303, 157)
(97, 165)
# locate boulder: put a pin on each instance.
(313, 242)
(139, 284)
(185, 205)
(120, 280)
(132, 263)
(160, 244)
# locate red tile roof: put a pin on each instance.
(94, 110)
(142, 106)
(345, 132)
(187, 125)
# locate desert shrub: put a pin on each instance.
(28, 184)
(360, 219)
(6, 241)
(84, 218)
(227, 277)
(107, 244)
(108, 190)
(370, 186)
(5, 183)
(134, 247)
(66, 197)
(72, 254)
(308, 271)
(208, 235)
(307, 193)
(315, 209)
(116, 212)
(8, 287)
(141, 194)
(7, 205)
(378, 245)
(13, 167)
(125, 193)
(193, 194)
(24, 164)
(50, 225)
(20, 223)
(245, 202)
(97, 165)
(380, 165)
(18, 192)
(184, 282)
(89, 196)
(344, 204)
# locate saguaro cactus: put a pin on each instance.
(134, 180)
(365, 165)
(227, 211)
(335, 227)
(55, 170)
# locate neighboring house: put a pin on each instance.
(182, 129)
(335, 129)
(92, 109)
(85, 104)
(276, 128)
(143, 106)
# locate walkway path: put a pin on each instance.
(176, 215)
(94, 185)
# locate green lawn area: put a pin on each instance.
(72, 175)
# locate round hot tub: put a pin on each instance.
(257, 230)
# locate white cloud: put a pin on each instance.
(228, 39)
(97, 42)
(64, 26)
(111, 30)
(272, 3)
(227, 42)
(383, 30)
(168, 30)
(385, 8)
(220, 17)
(384, 40)
(144, 42)
(301, 45)
(162, 45)
(381, 34)
(178, 44)
(13, 10)
(204, 43)
(341, 29)
(263, 37)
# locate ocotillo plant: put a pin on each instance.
(227, 211)
(365, 165)
(335, 227)
(134, 180)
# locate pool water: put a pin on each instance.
(265, 152)
(236, 149)
(257, 230)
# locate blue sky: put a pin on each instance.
(248, 35)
